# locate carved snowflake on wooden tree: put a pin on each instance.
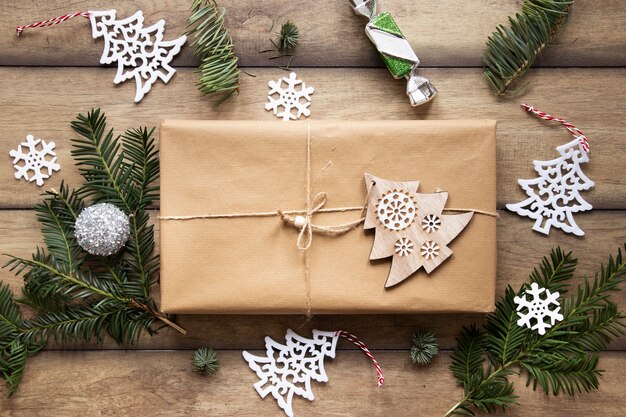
(410, 227)
(140, 52)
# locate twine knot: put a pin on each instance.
(304, 223)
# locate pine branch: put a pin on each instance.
(511, 51)
(562, 360)
(213, 46)
(78, 296)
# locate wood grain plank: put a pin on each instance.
(519, 250)
(443, 32)
(162, 384)
(596, 106)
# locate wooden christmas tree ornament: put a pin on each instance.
(410, 226)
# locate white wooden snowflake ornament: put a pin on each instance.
(554, 196)
(538, 308)
(288, 369)
(37, 162)
(287, 99)
(410, 226)
(140, 52)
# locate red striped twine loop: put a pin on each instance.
(51, 22)
(576, 132)
(352, 338)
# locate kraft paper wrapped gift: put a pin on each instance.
(245, 264)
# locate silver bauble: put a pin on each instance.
(102, 229)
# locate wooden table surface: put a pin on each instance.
(49, 75)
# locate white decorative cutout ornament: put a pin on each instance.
(140, 52)
(538, 309)
(30, 164)
(406, 220)
(284, 100)
(554, 196)
(288, 369)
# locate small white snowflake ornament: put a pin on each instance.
(140, 52)
(286, 100)
(538, 309)
(37, 162)
(287, 370)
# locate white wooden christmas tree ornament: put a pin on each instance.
(554, 196)
(410, 226)
(36, 162)
(289, 98)
(139, 52)
(288, 369)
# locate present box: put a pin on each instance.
(230, 253)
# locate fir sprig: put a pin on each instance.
(564, 360)
(205, 361)
(77, 296)
(511, 51)
(288, 36)
(424, 348)
(213, 46)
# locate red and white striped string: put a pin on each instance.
(584, 142)
(352, 338)
(51, 22)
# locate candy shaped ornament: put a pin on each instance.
(395, 51)
(140, 52)
(410, 226)
(554, 196)
(287, 370)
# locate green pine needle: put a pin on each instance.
(424, 348)
(76, 296)
(564, 360)
(205, 361)
(213, 46)
(288, 36)
(511, 51)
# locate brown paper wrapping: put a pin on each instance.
(251, 265)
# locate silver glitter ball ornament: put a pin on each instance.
(102, 229)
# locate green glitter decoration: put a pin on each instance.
(399, 68)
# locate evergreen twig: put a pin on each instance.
(511, 51)
(424, 348)
(78, 296)
(562, 360)
(288, 36)
(205, 361)
(213, 46)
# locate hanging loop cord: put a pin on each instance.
(51, 22)
(355, 340)
(576, 132)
